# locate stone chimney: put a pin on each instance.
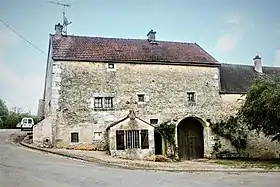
(258, 64)
(58, 29)
(152, 36)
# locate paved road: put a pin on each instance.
(28, 168)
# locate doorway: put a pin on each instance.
(158, 144)
(190, 139)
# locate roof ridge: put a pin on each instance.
(249, 65)
(121, 38)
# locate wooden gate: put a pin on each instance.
(190, 139)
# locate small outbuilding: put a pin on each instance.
(131, 137)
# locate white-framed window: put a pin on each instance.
(108, 102)
(98, 102)
(103, 102)
(111, 67)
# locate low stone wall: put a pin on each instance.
(43, 133)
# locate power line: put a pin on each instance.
(22, 37)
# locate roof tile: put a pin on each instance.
(117, 49)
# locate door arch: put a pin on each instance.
(190, 139)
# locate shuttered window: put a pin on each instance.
(144, 139)
(120, 139)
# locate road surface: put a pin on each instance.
(23, 167)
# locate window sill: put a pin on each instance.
(103, 109)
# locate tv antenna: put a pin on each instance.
(64, 18)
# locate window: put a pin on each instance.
(132, 139)
(120, 139)
(108, 102)
(98, 102)
(111, 66)
(29, 121)
(102, 102)
(191, 96)
(154, 121)
(141, 97)
(74, 137)
(144, 139)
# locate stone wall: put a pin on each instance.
(165, 88)
(132, 124)
(43, 133)
(258, 146)
(73, 86)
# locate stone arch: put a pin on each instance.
(190, 138)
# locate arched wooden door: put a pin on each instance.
(190, 139)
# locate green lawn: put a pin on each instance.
(251, 163)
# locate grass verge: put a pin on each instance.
(251, 163)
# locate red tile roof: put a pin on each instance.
(116, 49)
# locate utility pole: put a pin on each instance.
(64, 18)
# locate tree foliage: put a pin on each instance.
(167, 129)
(261, 109)
(233, 130)
(9, 119)
(3, 111)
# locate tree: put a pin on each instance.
(261, 109)
(12, 120)
(233, 130)
(4, 112)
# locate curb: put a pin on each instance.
(122, 166)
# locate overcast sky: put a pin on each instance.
(231, 31)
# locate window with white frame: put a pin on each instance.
(103, 102)
(111, 66)
(108, 102)
(98, 102)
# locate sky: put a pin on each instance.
(231, 31)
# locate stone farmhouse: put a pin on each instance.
(111, 93)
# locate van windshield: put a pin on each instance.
(29, 120)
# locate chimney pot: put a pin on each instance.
(58, 29)
(151, 36)
(258, 64)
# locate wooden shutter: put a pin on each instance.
(120, 139)
(144, 139)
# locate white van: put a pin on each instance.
(27, 123)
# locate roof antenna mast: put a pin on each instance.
(64, 18)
